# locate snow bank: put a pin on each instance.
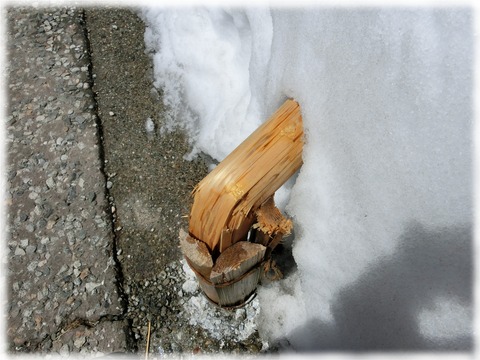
(383, 203)
(203, 62)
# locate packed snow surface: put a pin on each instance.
(383, 203)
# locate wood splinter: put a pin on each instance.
(271, 224)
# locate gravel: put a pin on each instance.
(151, 193)
(63, 282)
(97, 194)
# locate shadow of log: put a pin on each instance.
(283, 256)
(380, 311)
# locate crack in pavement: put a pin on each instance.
(119, 279)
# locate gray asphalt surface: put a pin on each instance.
(63, 283)
(95, 201)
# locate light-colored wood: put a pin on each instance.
(236, 261)
(224, 200)
(235, 274)
(273, 242)
(147, 347)
(237, 292)
(270, 220)
(196, 253)
(208, 289)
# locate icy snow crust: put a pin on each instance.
(236, 324)
(383, 203)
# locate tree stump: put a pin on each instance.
(236, 199)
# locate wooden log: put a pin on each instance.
(208, 288)
(236, 261)
(197, 254)
(224, 200)
(235, 275)
(236, 293)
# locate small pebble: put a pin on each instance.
(92, 196)
(50, 183)
(79, 342)
(91, 286)
(149, 125)
(19, 251)
(32, 266)
(30, 249)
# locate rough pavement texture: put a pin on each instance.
(150, 185)
(97, 195)
(63, 291)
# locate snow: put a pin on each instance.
(220, 324)
(383, 203)
(149, 126)
(433, 324)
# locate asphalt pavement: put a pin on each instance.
(97, 195)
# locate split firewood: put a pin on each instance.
(226, 199)
(236, 261)
(197, 254)
(236, 293)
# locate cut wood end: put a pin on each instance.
(196, 252)
(236, 261)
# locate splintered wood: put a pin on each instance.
(237, 198)
(224, 200)
(270, 220)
